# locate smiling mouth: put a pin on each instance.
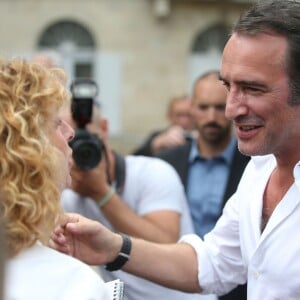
(248, 128)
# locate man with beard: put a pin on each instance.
(210, 166)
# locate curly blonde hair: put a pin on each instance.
(30, 98)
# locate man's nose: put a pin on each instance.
(235, 104)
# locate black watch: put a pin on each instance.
(123, 256)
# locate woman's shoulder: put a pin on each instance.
(53, 273)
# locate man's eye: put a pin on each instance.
(252, 89)
(226, 84)
(221, 107)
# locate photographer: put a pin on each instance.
(138, 196)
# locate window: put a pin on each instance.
(80, 57)
(206, 51)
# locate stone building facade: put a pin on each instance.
(140, 52)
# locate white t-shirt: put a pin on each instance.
(236, 250)
(150, 185)
(41, 273)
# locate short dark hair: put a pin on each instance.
(279, 17)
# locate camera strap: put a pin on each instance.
(120, 171)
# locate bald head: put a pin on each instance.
(208, 109)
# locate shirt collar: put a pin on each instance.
(226, 155)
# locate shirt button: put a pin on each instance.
(256, 275)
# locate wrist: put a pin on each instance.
(156, 144)
(103, 200)
(123, 255)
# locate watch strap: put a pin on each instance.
(123, 255)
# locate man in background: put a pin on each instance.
(210, 166)
(181, 128)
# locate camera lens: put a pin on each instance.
(87, 149)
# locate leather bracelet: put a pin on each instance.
(106, 197)
(123, 256)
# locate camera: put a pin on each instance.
(87, 147)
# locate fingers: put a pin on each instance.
(58, 236)
(59, 242)
(72, 223)
(173, 138)
(92, 183)
(67, 218)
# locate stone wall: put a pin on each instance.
(154, 51)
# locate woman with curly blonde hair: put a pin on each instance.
(35, 160)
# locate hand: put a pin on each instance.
(172, 137)
(85, 239)
(92, 183)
